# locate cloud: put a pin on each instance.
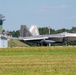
(55, 7)
(70, 17)
(59, 8)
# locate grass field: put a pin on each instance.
(38, 61)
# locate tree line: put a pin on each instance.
(45, 30)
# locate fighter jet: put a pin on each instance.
(32, 35)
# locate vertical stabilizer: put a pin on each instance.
(24, 31)
(34, 30)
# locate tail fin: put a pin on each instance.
(24, 31)
(34, 30)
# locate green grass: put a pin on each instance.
(38, 51)
(16, 43)
(38, 61)
(43, 52)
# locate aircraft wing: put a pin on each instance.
(33, 38)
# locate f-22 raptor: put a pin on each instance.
(32, 35)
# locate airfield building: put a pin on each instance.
(3, 42)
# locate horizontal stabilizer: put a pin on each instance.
(48, 41)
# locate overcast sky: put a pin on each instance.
(43, 13)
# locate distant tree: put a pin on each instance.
(62, 30)
(73, 30)
(52, 31)
(45, 30)
(15, 33)
(3, 30)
